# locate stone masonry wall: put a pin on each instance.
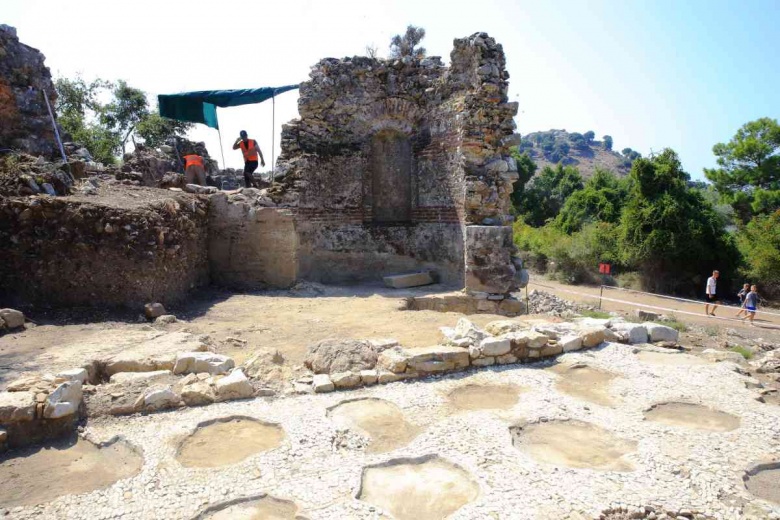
(392, 160)
(24, 120)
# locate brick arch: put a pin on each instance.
(397, 114)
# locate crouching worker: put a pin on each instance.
(194, 172)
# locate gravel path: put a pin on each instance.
(675, 468)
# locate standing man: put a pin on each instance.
(712, 293)
(251, 152)
(194, 172)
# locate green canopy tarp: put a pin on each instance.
(201, 106)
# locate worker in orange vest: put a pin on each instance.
(251, 151)
(194, 172)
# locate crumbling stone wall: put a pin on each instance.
(392, 161)
(24, 120)
(127, 247)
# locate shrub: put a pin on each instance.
(745, 352)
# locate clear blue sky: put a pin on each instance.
(683, 74)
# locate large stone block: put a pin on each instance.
(200, 362)
(234, 386)
(438, 358)
(658, 332)
(489, 265)
(12, 318)
(403, 281)
(330, 356)
(16, 407)
(631, 333)
(64, 401)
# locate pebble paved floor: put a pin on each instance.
(319, 467)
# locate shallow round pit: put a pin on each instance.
(694, 416)
(763, 481)
(226, 441)
(252, 508)
(428, 487)
(662, 358)
(584, 382)
(39, 475)
(574, 444)
(485, 397)
(378, 419)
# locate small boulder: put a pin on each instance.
(331, 356)
(723, 355)
(500, 327)
(199, 362)
(384, 377)
(74, 374)
(646, 315)
(631, 333)
(393, 359)
(465, 329)
(495, 346)
(322, 383)
(483, 362)
(570, 343)
(16, 407)
(154, 310)
(369, 377)
(382, 344)
(198, 393)
(63, 401)
(234, 386)
(13, 319)
(658, 332)
(160, 399)
(165, 319)
(592, 336)
(528, 338)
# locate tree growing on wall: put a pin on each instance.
(607, 139)
(407, 44)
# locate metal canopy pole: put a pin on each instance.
(57, 134)
(273, 127)
(221, 150)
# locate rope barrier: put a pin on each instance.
(654, 307)
(699, 302)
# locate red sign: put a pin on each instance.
(605, 268)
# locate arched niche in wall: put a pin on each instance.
(390, 164)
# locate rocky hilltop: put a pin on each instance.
(575, 149)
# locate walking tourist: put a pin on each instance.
(741, 295)
(751, 303)
(712, 294)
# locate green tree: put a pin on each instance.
(156, 130)
(607, 142)
(589, 136)
(407, 44)
(668, 231)
(546, 193)
(525, 169)
(600, 200)
(748, 176)
(123, 113)
(759, 241)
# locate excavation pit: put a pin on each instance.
(584, 382)
(427, 487)
(689, 415)
(485, 397)
(378, 419)
(39, 475)
(226, 441)
(253, 508)
(763, 481)
(673, 359)
(574, 444)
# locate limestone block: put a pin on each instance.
(154, 310)
(484, 362)
(74, 374)
(199, 362)
(570, 343)
(589, 323)
(506, 359)
(345, 379)
(340, 355)
(160, 399)
(369, 377)
(528, 338)
(393, 360)
(234, 386)
(646, 315)
(610, 336)
(165, 319)
(198, 393)
(322, 383)
(126, 377)
(382, 344)
(13, 319)
(499, 327)
(437, 358)
(551, 349)
(136, 362)
(495, 346)
(592, 336)
(63, 401)
(465, 329)
(658, 332)
(631, 333)
(403, 281)
(383, 377)
(16, 407)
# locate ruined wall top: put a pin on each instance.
(24, 119)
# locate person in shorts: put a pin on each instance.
(741, 295)
(251, 152)
(751, 303)
(712, 294)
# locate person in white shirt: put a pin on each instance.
(712, 294)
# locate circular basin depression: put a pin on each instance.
(252, 508)
(382, 421)
(39, 475)
(227, 440)
(689, 415)
(763, 480)
(584, 382)
(475, 396)
(427, 487)
(574, 444)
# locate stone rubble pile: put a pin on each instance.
(341, 363)
(540, 302)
